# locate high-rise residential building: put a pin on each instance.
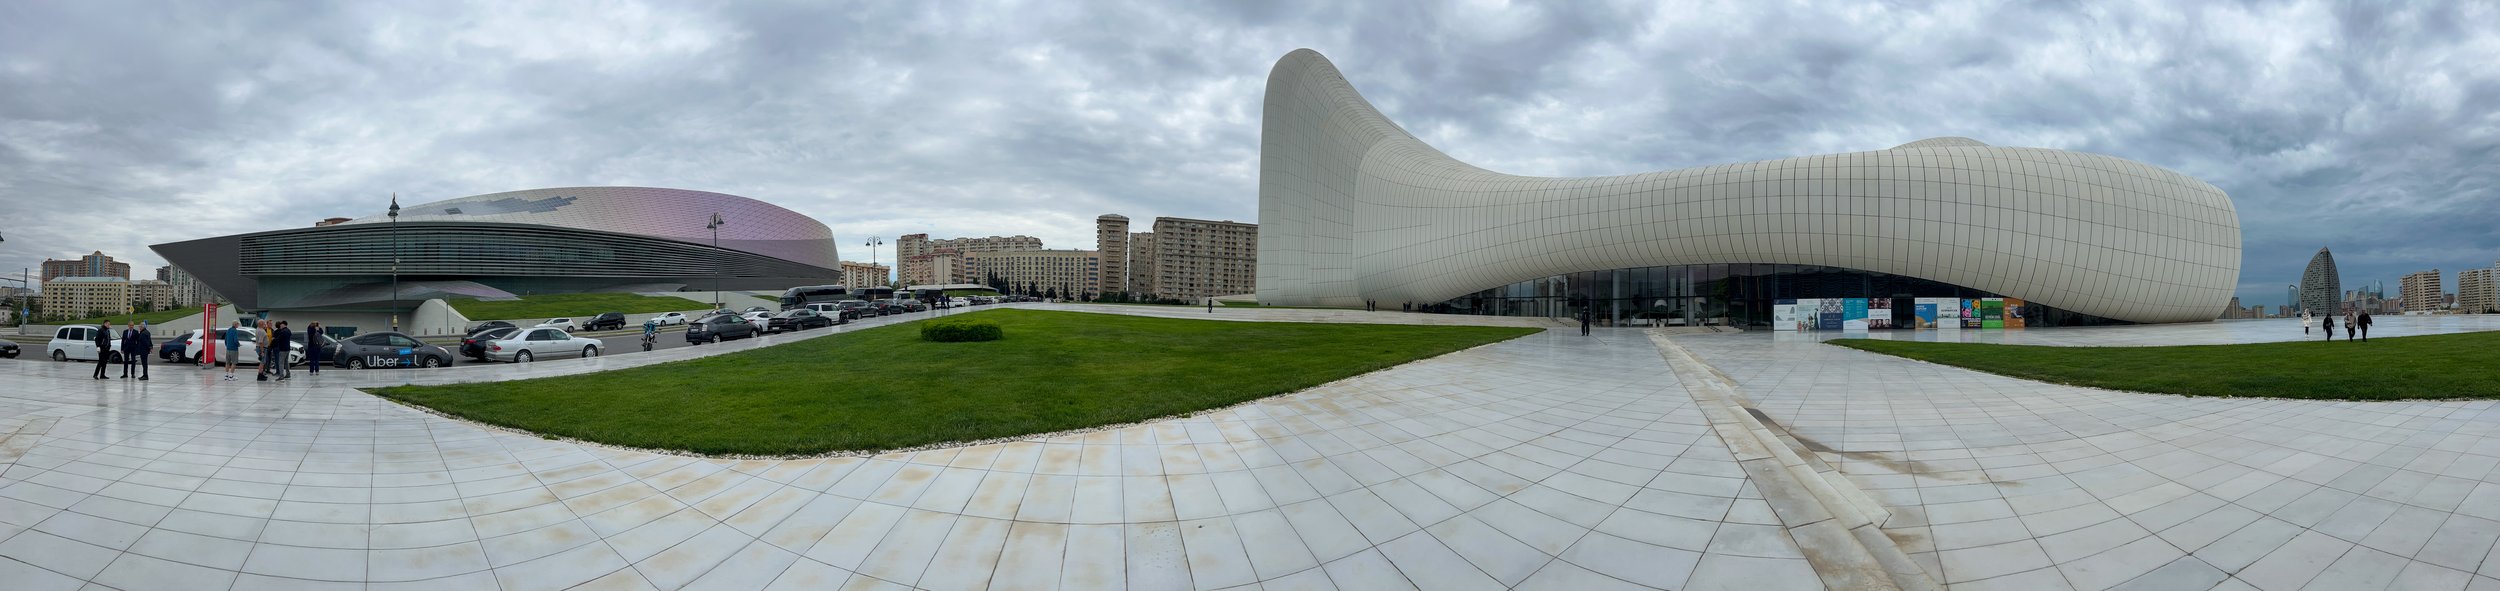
(2478, 290)
(2421, 291)
(1067, 272)
(188, 290)
(2319, 285)
(858, 274)
(92, 265)
(2234, 311)
(1111, 239)
(81, 297)
(1205, 258)
(914, 254)
(1141, 263)
(151, 294)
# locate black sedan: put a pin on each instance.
(489, 324)
(717, 328)
(474, 345)
(387, 349)
(172, 349)
(607, 321)
(799, 319)
(8, 350)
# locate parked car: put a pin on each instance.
(534, 343)
(563, 324)
(77, 341)
(855, 309)
(386, 349)
(761, 320)
(248, 345)
(912, 305)
(830, 310)
(172, 348)
(753, 309)
(8, 350)
(486, 325)
(474, 345)
(717, 328)
(671, 319)
(795, 320)
(958, 302)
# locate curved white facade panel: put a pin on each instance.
(674, 214)
(1353, 208)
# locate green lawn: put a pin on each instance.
(884, 388)
(2433, 366)
(569, 305)
(153, 318)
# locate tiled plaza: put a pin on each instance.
(1553, 461)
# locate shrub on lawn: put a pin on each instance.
(960, 331)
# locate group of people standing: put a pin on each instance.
(2354, 322)
(273, 340)
(134, 343)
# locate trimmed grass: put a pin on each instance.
(2398, 368)
(568, 305)
(884, 388)
(153, 318)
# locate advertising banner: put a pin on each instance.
(1926, 316)
(1970, 313)
(1992, 313)
(1784, 315)
(2014, 312)
(1827, 314)
(1948, 312)
(1853, 314)
(1879, 313)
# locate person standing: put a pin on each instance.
(142, 345)
(315, 343)
(234, 347)
(2305, 321)
(2329, 320)
(2350, 327)
(127, 343)
(284, 342)
(2365, 326)
(1584, 322)
(103, 348)
(260, 342)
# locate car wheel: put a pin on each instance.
(113, 357)
(521, 357)
(57, 355)
(355, 363)
(430, 362)
(590, 351)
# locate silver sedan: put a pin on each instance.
(530, 344)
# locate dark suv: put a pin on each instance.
(608, 321)
(713, 329)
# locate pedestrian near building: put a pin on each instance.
(2329, 320)
(2350, 326)
(2365, 326)
(260, 340)
(1584, 322)
(2306, 320)
(315, 344)
(284, 342)
(234, 347)
(103, 348)
(137, 343)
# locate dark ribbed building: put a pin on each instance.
(2321, 292)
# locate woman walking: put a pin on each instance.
(2350, 327)
(2330, 327)
(2305, 321)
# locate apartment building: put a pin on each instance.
(857, 274)
(2478, 290)
(92, 265)
(151, 294)
(1069, 272)
(1111, 239)
(80, 297)
(916, 256)
(2421, 291)
(1204, 258)
(1141, 263)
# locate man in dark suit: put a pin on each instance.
(278, 345)
(103, 349)
(139, 344)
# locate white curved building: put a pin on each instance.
(1352, 208)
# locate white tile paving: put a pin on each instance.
(1491, 468)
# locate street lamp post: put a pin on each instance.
(394, 261)
(719, 267)
(873, 243)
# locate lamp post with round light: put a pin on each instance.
(873, 243)
(719, 266)
(394, 261)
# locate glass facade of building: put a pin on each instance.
(1729, 294)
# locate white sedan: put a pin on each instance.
(248, 341)
(670, 319)
(759, 319)
(534, 343)
(565, 324)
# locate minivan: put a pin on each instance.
(77, 341)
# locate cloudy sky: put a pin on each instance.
(2372, 130)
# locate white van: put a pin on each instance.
(77, 341)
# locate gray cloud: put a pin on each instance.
(2371, 129)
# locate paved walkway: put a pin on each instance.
(2000, 483)
(1549, 462)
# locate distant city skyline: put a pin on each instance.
(2362, 127)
